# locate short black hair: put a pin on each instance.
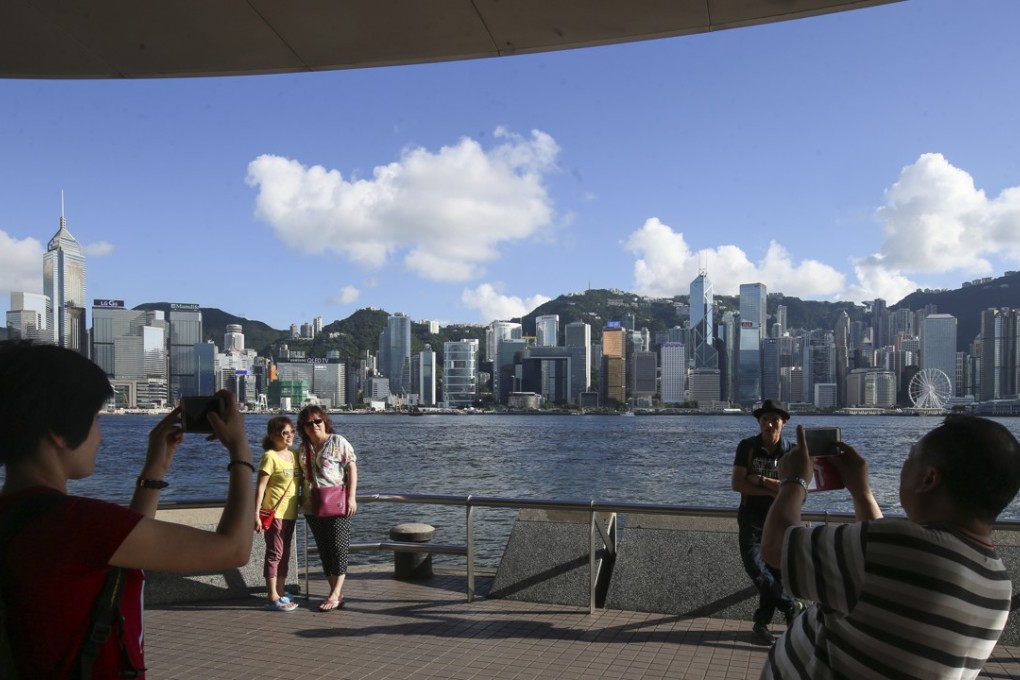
(980, 461)
(46, 389)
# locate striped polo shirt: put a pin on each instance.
(893, 599)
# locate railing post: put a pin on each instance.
(470, 522)
(591, 558)
(304, 533)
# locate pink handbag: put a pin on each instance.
(327, 501)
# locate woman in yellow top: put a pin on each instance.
(277, 489)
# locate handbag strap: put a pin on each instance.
(283, 495)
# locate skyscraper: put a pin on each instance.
(460, 373)
(673, 359)
(547, 330)
(702, 327)
(395, 353)
(613, 386)
(64, 285)
(753, 297)
(28, 316)
(577, 339)
(938, 345)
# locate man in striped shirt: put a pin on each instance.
(925, 597)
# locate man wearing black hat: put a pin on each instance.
(756, 477)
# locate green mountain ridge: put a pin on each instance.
(597, 307)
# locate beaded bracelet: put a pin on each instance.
(240, 462)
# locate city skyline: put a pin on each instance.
(843, 157)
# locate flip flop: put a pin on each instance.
(330, 604)
(280, 606)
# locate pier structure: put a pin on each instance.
(572, 598)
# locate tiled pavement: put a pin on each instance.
(425, 630)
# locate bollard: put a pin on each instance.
(412, 565)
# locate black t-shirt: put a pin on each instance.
(752, 454)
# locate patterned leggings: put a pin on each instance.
(333, 539)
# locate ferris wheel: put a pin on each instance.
(930, 389)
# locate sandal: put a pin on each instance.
(280, 606)
(330, 604)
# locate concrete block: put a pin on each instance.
(173, 588)
(546, 557)
(681, 565)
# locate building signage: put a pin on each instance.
(187, 307)
(242, 372)
(747, 324)
(108, 303)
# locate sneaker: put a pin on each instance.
(796, 610)
(761, 635)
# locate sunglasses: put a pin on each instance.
(314, 421)
(286, 433)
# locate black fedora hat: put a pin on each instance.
(771, 406)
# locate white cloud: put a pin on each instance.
(98, 249)
(20, 264)
(447, 212)
(491, 304)
(348, 296)
(936, 221)
(666, 265)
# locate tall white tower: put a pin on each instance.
(64, 285)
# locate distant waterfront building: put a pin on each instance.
(233, 338)
(546, 372)
(673, 362)
(1000, 338)
(613, 385)
(704, 354)
(395, 353)
(938, 346)
(64, 285)
(185, 334)
(841, 336)
(324, 378)
(819, 364)
(460, 373)
(645, 377)
(547, 330)
(27, 316)
(130, 347)
(423, 376)
(770, 368)
(577, 340)
(502, 361)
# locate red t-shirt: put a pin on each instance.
(57, 566)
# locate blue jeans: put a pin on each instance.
(767, 580)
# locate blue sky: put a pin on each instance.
(846, 157)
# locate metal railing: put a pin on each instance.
(470, 503)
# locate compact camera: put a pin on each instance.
(821, 444)
(195, 413)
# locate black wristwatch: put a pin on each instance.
(152, 483)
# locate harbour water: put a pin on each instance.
(681, 460)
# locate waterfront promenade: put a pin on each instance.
(425, 630)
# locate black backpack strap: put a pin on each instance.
(13, 524)
(105, 614)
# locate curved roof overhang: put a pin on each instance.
(145, 39)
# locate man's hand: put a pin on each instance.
(797, 463)
(854, 470)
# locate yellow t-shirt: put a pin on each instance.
(281, 476)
